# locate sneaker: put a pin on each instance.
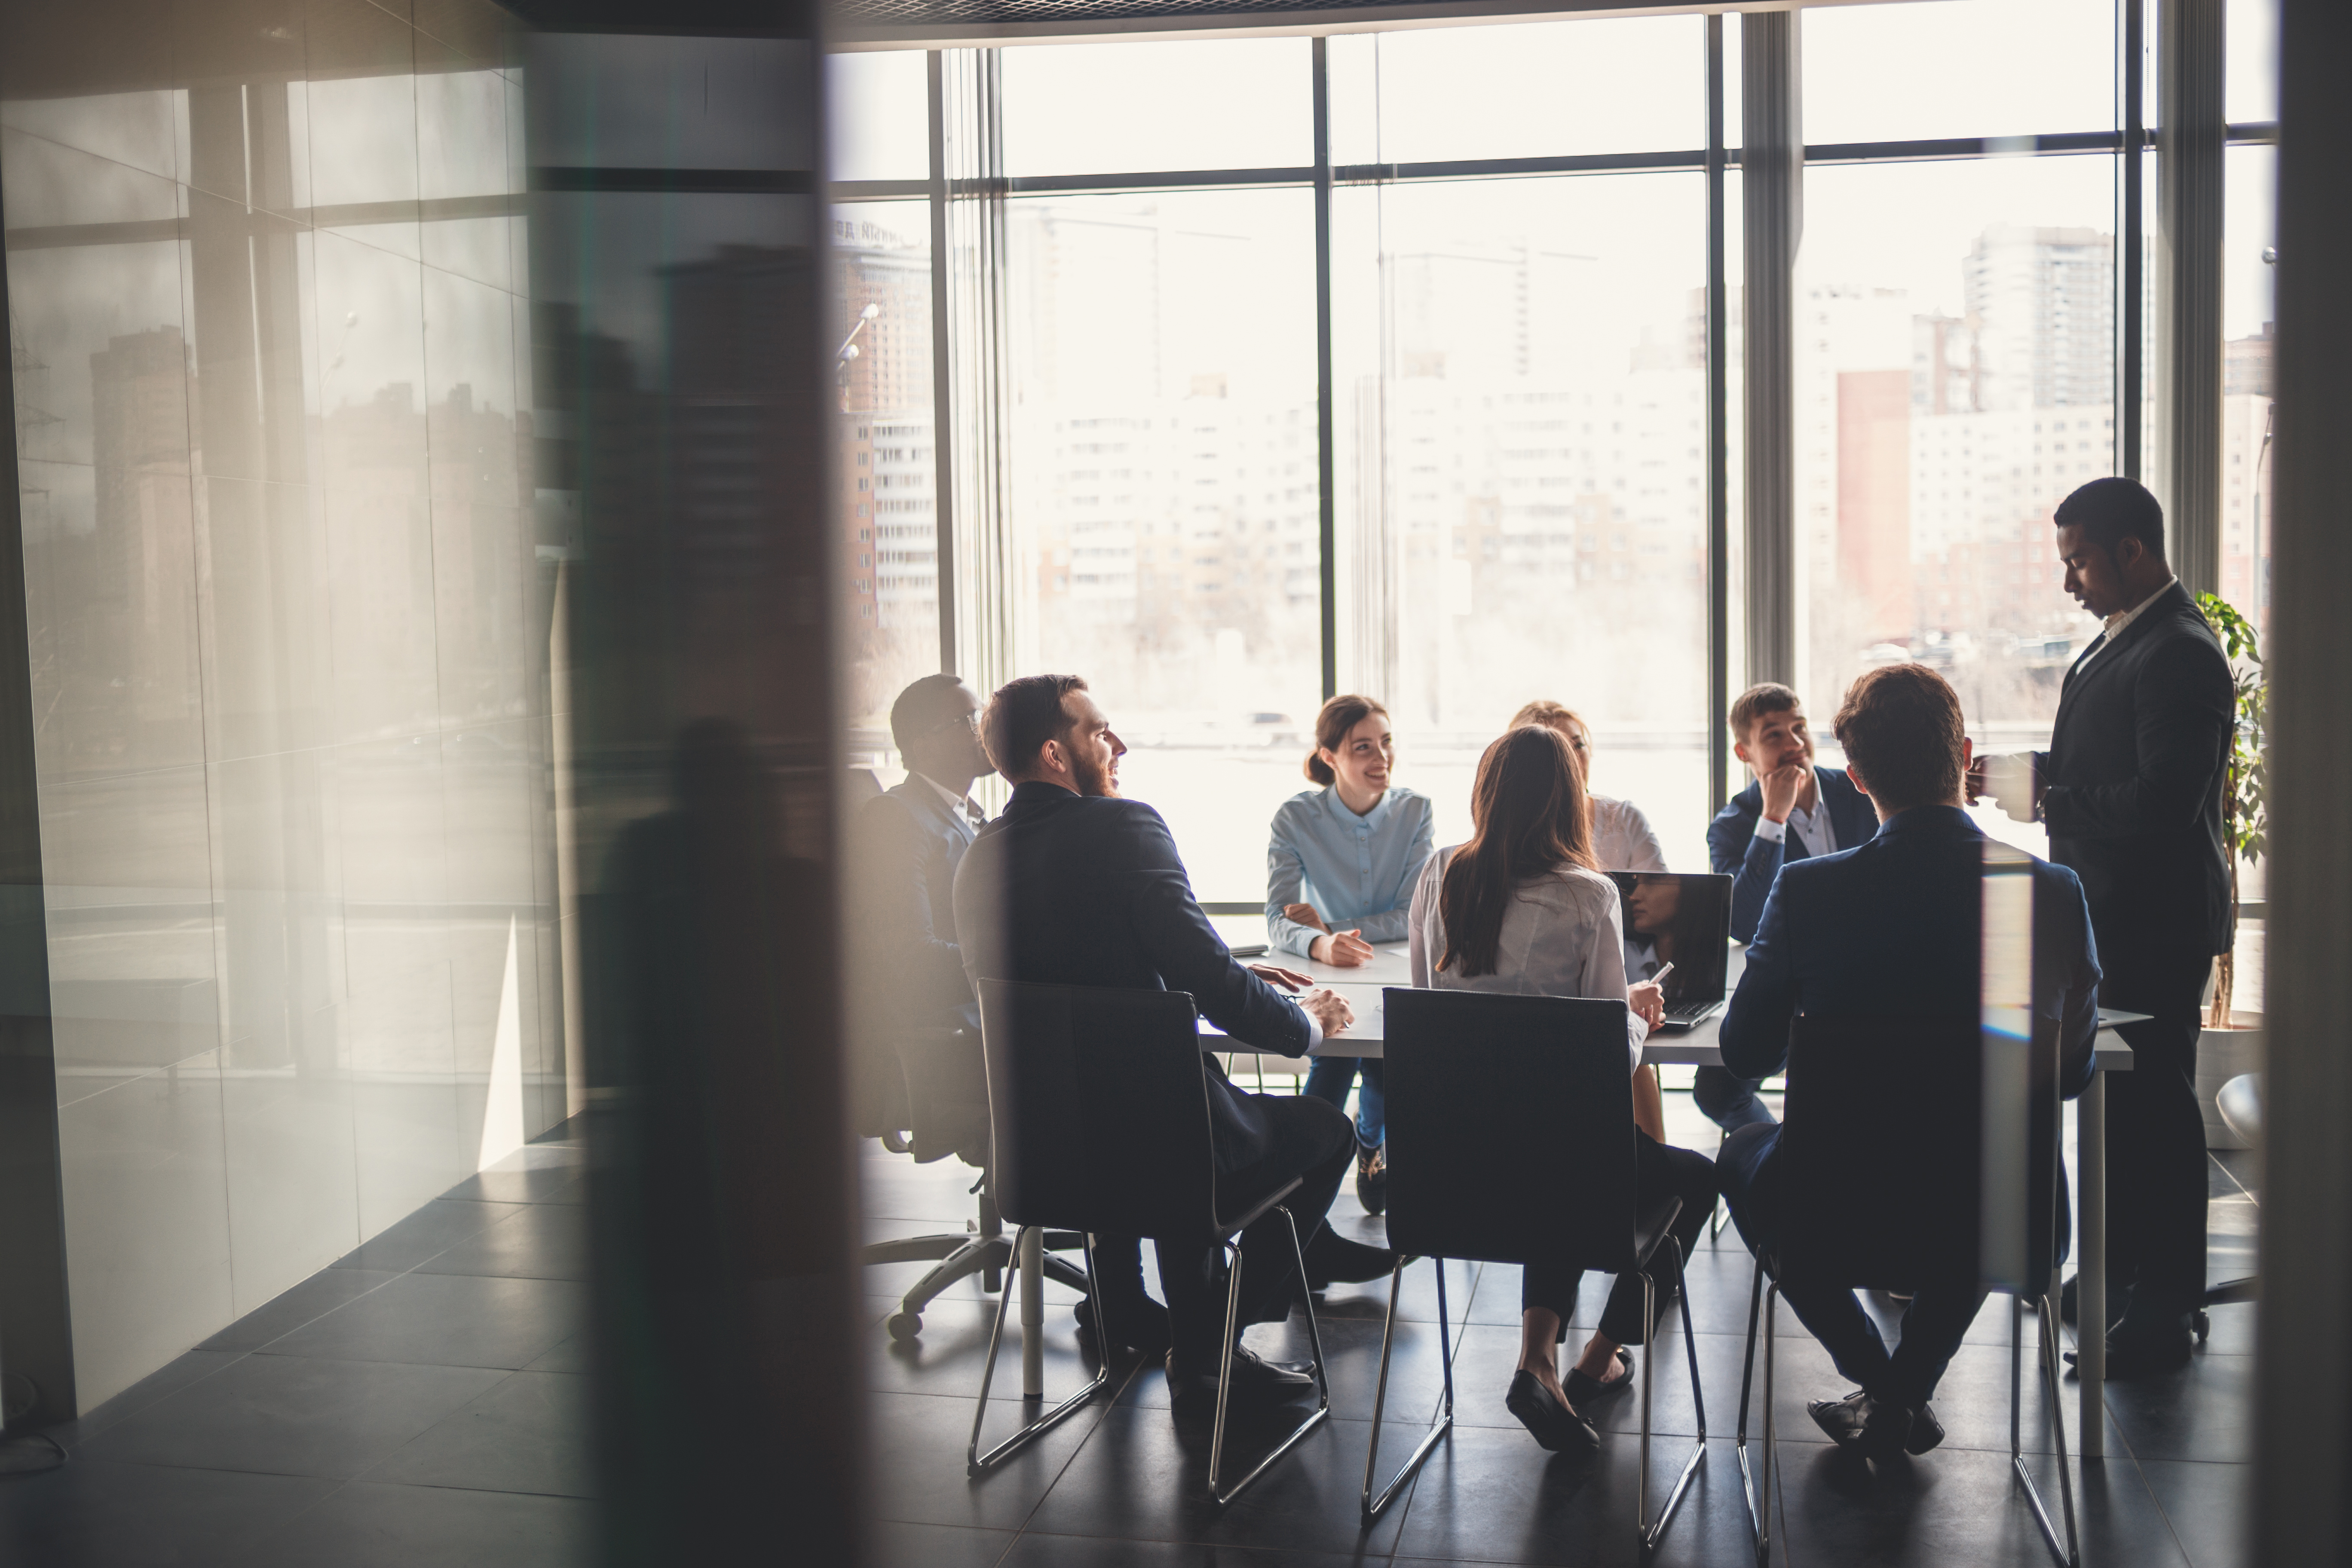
(1372, 1178)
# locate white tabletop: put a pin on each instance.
(1695, 1045)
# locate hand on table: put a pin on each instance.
(1329, 1009)
(1345, 949)
(1781, 787)
(1304, 914)
(1284, 979)
(1648, 1002)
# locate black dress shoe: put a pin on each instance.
(1582, 1390)
(1873, 1428)
(1139, 1325)
(1192, 1382)
(1335, 1260)
(1557, 1428)
(1926, 1431)
(1372, 1178)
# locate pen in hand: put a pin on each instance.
(1659, 979)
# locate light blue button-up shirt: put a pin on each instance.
(1358, 871)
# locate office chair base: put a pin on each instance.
(959, 1257)
(1221, 1497)
(1372, 1506)
(977, 1463)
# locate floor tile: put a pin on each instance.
(527, 1434)
(434, 1229)
(1491, 1496)
(572, 1355)
(189, 1366)
(1416, 1298)
(947, 1356)
(1141, 1478)
(371, 1525)
(1352, 1351)
(891, 1545)
(544, 1241)
(2203, 1411)
(1036, 1550)
(2207, 1507)
(448, 1320)
(563, 1183)
(313, 1298)
(291, 1415)
(918, 1476)
(93, 1513)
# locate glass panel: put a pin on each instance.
(2250, 232)
(879, 105)
(1523, 439)
(1954, 383)
(1956, 68)
(1625, 85)
(889, 506)
(1164, 513)
(1239, 103)
(2250, 54)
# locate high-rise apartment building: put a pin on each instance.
(2043, 301)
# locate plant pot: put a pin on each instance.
(2222, 1055)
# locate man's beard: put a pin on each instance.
(1095, 778)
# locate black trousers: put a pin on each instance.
(1312, 1140)
(1660, 1169)
(2156, 1129)
(1933, 1324)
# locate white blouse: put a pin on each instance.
(1623, 839)
(1562, 936)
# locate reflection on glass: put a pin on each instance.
(1165, 518)
(1958, 68)
(1523, 496)
(1239, 103)
(1955, 382)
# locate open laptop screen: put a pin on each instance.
(1686, 919)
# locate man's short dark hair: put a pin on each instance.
(1902, 729)
(1023, 715)
(921, 708)
(1766, 696)
(2111, 510)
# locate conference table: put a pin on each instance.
(1698, 1047)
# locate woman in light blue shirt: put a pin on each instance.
(1339, 874)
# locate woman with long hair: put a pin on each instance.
(1520, 909)
(1622, 839)
(1339, 869)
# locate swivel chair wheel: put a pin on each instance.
(2200, 1325)
(905, 1326)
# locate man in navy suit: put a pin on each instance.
(1793, 810)
(1891, 929)
(1073, 885)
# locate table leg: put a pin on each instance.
(2091, 1294)
(1033, 1313)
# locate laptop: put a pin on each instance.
(1682, 919)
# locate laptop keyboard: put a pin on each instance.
(1691, 1011)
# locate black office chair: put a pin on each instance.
(1902, 1103)
(1511, 1136)
(1101, 1115)
(931, 1085)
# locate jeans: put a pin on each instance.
(1728, 1100)
(1329, 1080)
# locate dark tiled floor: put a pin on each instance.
(1119, 1484)
(421, 1403)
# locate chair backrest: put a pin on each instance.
(1099, 1106)
(946, 1093)
(1882, 1152)
(1499, 1108)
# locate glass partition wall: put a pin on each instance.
(1382, 363)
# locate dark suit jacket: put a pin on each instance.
(1069, 889)
(910, 850)
(1734, 850)
(1890, 930)
(2137, 761)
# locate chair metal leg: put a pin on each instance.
(1224, 1379)
(977, 1463)
(1760, 1506)
(1698, 1403)
(1747, 1381)
(2047, 1320)
(1372, 1506)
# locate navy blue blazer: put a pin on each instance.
(1071, 890)
(1734, 850)
(1890, 930)
(909, 848)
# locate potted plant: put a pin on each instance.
(2231, 1040)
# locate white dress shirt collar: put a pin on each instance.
(960, 806)
(2116, 623)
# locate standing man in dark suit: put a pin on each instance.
(1794, 809)
(1073, 885)
(2131, 790)
(1892, 929)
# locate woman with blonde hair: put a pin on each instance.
(1339, 867)
(1520, 909)
(1623, 839)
